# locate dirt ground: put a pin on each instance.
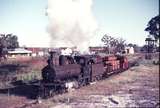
(136, 87)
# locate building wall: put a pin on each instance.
(129, 50)
(98, 49)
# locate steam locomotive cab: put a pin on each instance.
(86, 69)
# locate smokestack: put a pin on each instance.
(50, 59)
(71, 23)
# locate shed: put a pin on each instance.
(19, 52)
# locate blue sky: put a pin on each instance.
(118, 18)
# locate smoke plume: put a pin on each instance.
(71, 23)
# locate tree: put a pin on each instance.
(153, 27)
(108, 41)
(144, 48)
(7, 41)
(116, 44)
(130, 45)
(120, 45)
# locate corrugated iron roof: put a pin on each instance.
(19, 51)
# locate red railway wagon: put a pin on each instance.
(125, 63)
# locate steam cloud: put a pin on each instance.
(71, 23)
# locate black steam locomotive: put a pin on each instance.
(63, 72)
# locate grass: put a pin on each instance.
(25, 70)
(34, 75)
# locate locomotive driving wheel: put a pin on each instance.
(82, 81)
